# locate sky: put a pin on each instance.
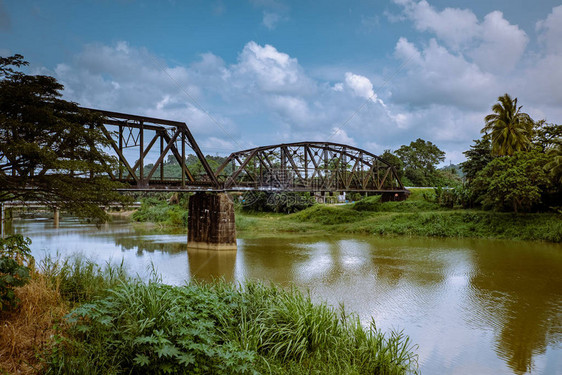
(371, 74)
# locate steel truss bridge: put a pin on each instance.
(302, 166)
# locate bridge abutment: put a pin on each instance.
(210, 223)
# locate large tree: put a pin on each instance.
(515, 182)
(395, 161)
(509, 129)
(420, 160)
(51, 150)
(477, 158)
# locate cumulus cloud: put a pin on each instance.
(454, 26)
(501, 44)
(493, 44)
(267, 97)
(551, 31)
(266, 69)
(435, 75)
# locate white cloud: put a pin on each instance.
(493, 44)
(267, 97)
(360, 85)
(454, 26)
(266, 69)
(551, 31)
(502, 44)
(435, 75)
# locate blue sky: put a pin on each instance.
(374, 74)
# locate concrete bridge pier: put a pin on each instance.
(210, 223)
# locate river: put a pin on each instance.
(472, 306)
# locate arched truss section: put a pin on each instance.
(308, 166)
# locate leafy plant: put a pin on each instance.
(16, 264)
(220, 328)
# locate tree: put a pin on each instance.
(420, 159)
(477, 158)
(51, 150)
(547, 136)
(554, 166)
(515, 182)
(395, 161)
(509, 129)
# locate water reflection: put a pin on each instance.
(519, 291)
(473, 306)
(211, 265)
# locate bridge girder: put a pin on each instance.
(125, 131)
(309, 166)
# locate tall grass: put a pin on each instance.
(26, 331)
(79, 279)
(150, 328)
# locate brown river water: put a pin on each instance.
(472, 306)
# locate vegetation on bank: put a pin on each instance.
(76, 317)
(427, 212)
(386, 221)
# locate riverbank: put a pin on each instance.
(446, 223)
(417, 216)
(118, 324)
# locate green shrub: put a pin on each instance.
(155, 210)
(16, 264)
(220, 329)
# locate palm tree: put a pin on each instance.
(555, 164)
(509, 129)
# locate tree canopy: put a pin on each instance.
(477, 157)
(509, 129)
(51, 150)
(420, 160)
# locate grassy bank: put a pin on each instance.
(417, 216)
(413, 217)
(121, 325)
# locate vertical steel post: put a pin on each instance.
(162, 164)
(120, 151)
(182, 159)
(91, 171)
(141, 157)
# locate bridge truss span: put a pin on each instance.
(133, 137)
(309, 166)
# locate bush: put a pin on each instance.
(220, 329)
(157, 210)
(16, 264)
